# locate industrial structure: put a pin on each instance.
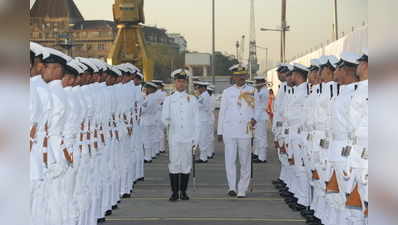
(59, 24)
(129, 45)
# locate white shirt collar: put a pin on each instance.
(55, 83)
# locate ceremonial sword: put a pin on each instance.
(251, 158)
(194, 149)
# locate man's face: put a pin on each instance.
(311, 77)
(103, 77)
(37, 67)
(201, 89)
(53, 71)
(125, 79)
(239, 80)
(68, 80)
(89, 78)
(289, 80)
(77, 82)
(108, 80)
(150, 90)
(296, 78)
(181, 84)
(282, 77)
(362, 70)
(339, 75)
(326, 75)
(137, 80)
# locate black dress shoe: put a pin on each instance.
(277, 181)
(108, 213)
(184, 196)
(200, 161)
(300, 207)
(257, 161)
(101, 220)
(114, 207)
(291, 200)
(173, 197)
(232, 193)
(313, 223)
(126, 196)
(285, 188)
(306, 212)
(293, 206)
(279, 186)
(147, 161)
(313, 219)
(254, 157)
(286, 194)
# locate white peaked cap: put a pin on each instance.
(300, 66)
(350, 57)
(88, 62)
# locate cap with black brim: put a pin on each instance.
(151, 85)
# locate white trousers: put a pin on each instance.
(211, 138)
(149, 142)
(138, 147)
(204, 141)
(162, 147)
(180, 157)
(241, 147)
(260, 140)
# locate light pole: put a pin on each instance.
(283, 40)
(237, 50)
(266, 55)
(213, 58)
(335, 18)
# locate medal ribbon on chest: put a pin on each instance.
(248, 97)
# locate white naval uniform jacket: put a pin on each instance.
(279, 106)
(213, 109)
(205, 108)
(180, 112)
(261, 104)
(359, 120)
(57, 119)
(149, 110)
(295, 115)
(36, 112)
(340, 122)
(235, 113)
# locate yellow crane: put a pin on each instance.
(129, 45)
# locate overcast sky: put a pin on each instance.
(310, 21)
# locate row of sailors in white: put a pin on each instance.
(321, 133)
(86, 143)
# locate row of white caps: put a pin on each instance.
(80, 64)
(345, 57)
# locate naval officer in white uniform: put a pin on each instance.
(181, 116)
(235, 127)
